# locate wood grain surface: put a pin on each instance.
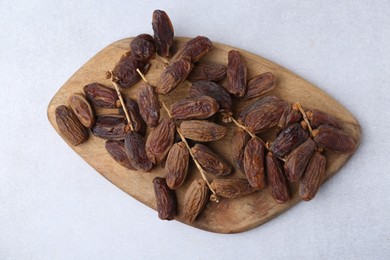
(229, 215)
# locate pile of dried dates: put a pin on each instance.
(294, 155)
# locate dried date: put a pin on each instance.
(254, 167)
(70, 126)
(149, 104)
(176, 166)
(135, 151)
(288, 139)
(173, 75)
(82, 109)
(207, 71)
(165, 199)
(236, 74)
(311, 179)
(318, 118)
(333, 139)
(135, 117)
(202, 130)
(210, 161)
(143, 47)
(232, 188)
(110, 127)
(239, 139)
(260, 85)
(102, 96)
(195, 199)
(163, 32)
(116, 149)
(194, 49)
(276, 180)
(194, 108)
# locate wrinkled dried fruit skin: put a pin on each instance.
(263, 114)
(160, 140)
(125, 71)
(195, 199)
(135, 117)
(102, 96)
(232, 188)
(311, 179)
(116, 149)
(194, 49)
(211, 162)
(165, 198)
(70, 126)
(333, 139)
(173, 75)
(176, 165)
(254, 165)
(82, 109)
(135, 150)
(163, 32)
(212, 89)
(236, 74)
(143, 47)
(277, 183)
(194, 108)
(149, 105)
(239, 139)
(207, 71)
(318, 118)
(202, 130)
(288, 139)
(260, 85)
(290, 116)
(297, 160)
(110, 127)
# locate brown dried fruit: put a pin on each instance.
(236, 74)
(102, 96)
(176, 165)
(311, 179)
(173, 75)
(163, 32)
(239, 140)
(194, 108)
(135, 117)
(277, 182)
(254, 154)
(195, 200)
(135, 150)
(110, 127)
(318, 118)
(149, 105)
(260, 85)
(288, 139)
(160, 140)
(125, 71)
(143, 47)
(297, 160)
(202, 130)
(263, 114)
(232, 188)
(290, 116)
(333, 139)
(116, 149)
(207, 71)
(211, 162)
(82, 109)
(165, 198)
(194, 49)
(70, 126)
(212, 89)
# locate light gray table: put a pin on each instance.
(54, 206)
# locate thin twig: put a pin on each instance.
(239, 125)
(142, 75)
(304, 117)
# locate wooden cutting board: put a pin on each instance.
(229, 215)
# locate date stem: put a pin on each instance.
(298, 105)
(238, 124)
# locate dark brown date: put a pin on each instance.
(135, 150)
(207, 71)
(318, 118)
(116, 149)
(212, 89)
(277, 183)
(176, 165)
(333, 139)
(135, 117)
(211, 162)
(70, 126)
(254, 167)
(236, 74)
(160, 140)
(163, 32)
(312, 178)
(149, 105)
(202, 130)
(194, 49)
(110, 127)
(260, 85)
(125, 71)
(288, 139)
(82, 109)
(232, 188)
(165, 198)
(143, 47)
(239, 140)
(194, 108)
(290, 116)
(297, 160)
(102, 96)
(173, 75)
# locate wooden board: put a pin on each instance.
(227, 216)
